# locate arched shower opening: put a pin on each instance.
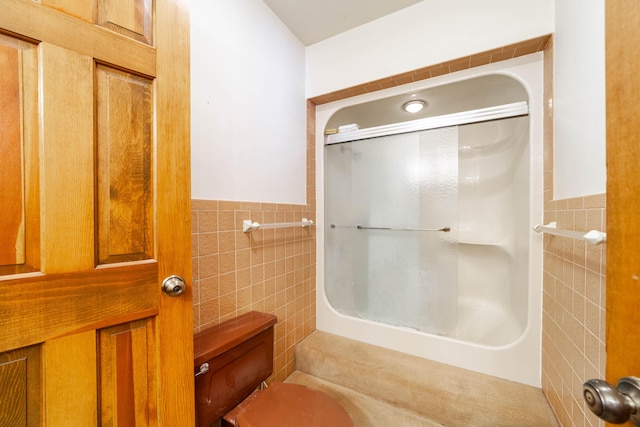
(426, 244)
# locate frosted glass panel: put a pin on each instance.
(338, 245)
(400, 277)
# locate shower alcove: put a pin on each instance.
(426, 244)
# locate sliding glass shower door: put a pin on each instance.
(391, 229)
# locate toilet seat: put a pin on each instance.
(291, 405)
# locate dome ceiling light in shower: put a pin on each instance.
(414, 106)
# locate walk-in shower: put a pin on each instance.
(426, 244)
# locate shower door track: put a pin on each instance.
(514, 109)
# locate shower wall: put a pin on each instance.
(494, 214)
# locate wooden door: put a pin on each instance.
(623, 188)
(94, 213)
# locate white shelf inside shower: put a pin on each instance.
(480, 236)
(484, 230)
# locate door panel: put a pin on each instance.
(623, 188)
(128, 387)
(19, 175)
(20, 372)
(98, 208)
(11, 198)
(125, 199)
(131, 18)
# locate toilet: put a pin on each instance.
(231, 360)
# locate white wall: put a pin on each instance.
(240, 51)
(424, 34)
(435, 31)
(580, 122)
(248, 104)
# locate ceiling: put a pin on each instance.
(315, 20)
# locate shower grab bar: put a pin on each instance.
(247, 225)
(593, 237)
(362, 227)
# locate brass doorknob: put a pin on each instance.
(173, 286)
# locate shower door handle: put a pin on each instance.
(616, 405)
(364, 227)
(444, 229)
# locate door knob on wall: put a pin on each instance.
(615, 405)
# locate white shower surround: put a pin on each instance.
(518, 361)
